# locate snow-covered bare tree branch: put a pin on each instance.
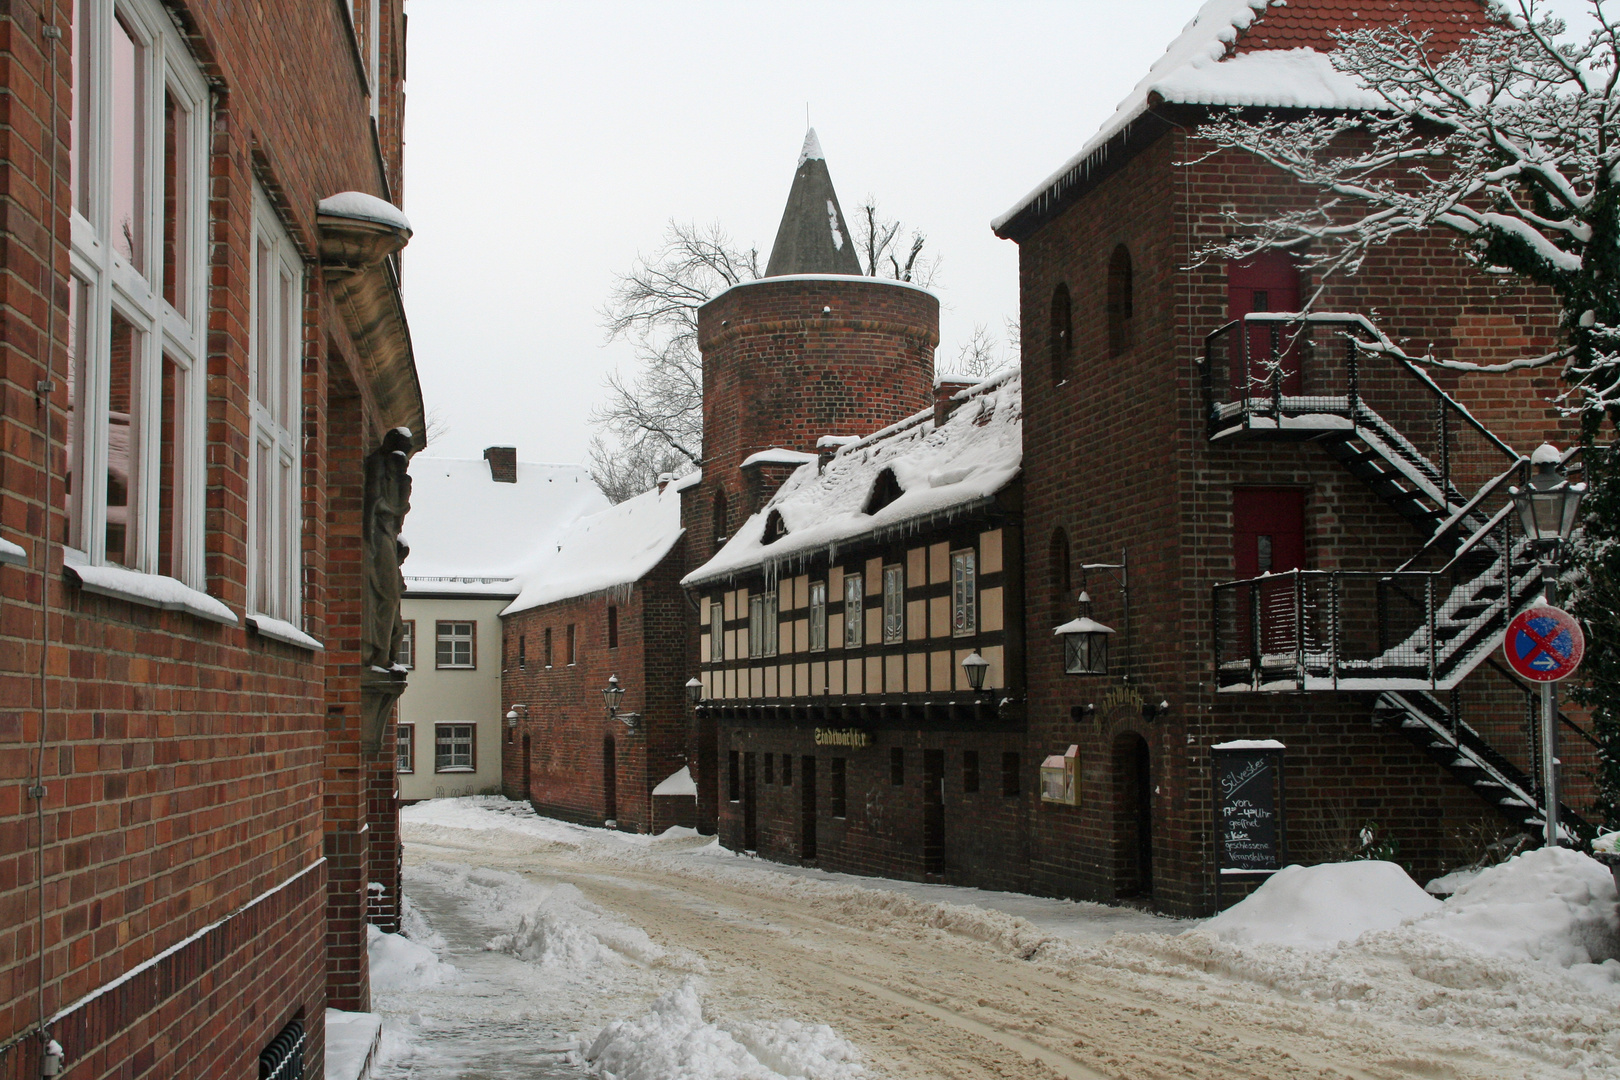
(1510, 141)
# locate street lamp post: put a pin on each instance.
(1547, 508)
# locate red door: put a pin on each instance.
(1265, 282)
(1268, 532)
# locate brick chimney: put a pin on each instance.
(945, 388)
(502, 464)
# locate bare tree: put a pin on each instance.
(981, 355)
(1510, 141)
(655, 307)
(879, 241)
(623, 472)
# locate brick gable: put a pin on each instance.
(1309, 24)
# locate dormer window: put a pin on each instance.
(775, 528)
(885, 489)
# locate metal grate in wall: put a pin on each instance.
(283, 1059)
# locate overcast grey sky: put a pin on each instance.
(548, 143)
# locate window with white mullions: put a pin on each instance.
(854, 615)
(762, 620)
(275, 374)
(138, 174)
(818, 616)
(894, 604)
(456, 645)
(453, 748)
(964, 594)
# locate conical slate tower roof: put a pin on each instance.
(813, 238)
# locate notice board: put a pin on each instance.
(1249, 819)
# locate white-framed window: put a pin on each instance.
(762, 616)
(137, 302)
(818, 616)
(275, 369)
(894, 604)
(405, 655)
(456, 645)
(717, 631)
(405, 748)
(453, 746)
(854, 617)
(964, 593)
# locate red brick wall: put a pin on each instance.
(567, 720)
(1119, 458)
(184, 760)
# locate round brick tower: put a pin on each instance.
(811, 349)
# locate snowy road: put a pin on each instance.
(591, 927)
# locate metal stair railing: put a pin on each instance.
(1303, 375)
(1470, 757)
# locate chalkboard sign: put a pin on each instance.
(1249, 806)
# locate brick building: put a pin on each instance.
(209, 401)
(1319, 569)
(602, 600)
(838, 633)
(475, 526)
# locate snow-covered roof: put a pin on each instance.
(968, 459)
(470, 534)
(1280, 78)
(616, 546)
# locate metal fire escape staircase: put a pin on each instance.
(1411, 635)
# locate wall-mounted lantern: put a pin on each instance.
(612, 694)
(694, 690)
(975, 667)
(1085, 642)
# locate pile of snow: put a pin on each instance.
(1553, 906)
(1607, 844)
(673, 1039)
(1318, 907)
(679, 782)
(351, 1044)
(400, 964)
(359, 205)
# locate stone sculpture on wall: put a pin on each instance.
(387, 500)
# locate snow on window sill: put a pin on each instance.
(150, 590)
(284, 632)
(12, 553)
(456, 768)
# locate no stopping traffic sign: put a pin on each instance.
(1544, 644)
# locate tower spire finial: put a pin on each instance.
(813, 237)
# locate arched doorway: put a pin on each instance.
(610, 782)
(1133, 816)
